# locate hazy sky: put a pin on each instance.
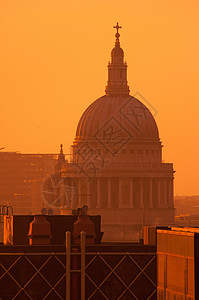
(53, 64)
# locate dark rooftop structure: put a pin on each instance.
(178, 263)
(62, 270)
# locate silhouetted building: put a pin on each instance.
(21, 178)
(61, 271)
(116, 164)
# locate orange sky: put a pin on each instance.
(53, 64)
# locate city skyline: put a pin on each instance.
(54, 66)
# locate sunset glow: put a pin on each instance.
(54, 57)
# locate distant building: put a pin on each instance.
(187, 220)
(21, 178)
(187, 205)
(116, 163)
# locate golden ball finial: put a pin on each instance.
(61, 148)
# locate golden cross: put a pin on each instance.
(117, 27)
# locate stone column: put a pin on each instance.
(170, 189)
(165, 193)
(131, 193)
(172, 192)
(150, 193)
(159, 194)
(120, 193)
(98, 193)
(170, 200)
(79, 193)
(71, 194)
(141, 194)
(109, 193)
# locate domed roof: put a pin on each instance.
(126, 114)
(117, 111)
(117, 50)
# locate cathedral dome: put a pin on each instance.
(116, 166)
(126, 112)
(117, 111)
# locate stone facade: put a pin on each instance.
(116, 166)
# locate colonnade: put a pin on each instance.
(159, 193)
